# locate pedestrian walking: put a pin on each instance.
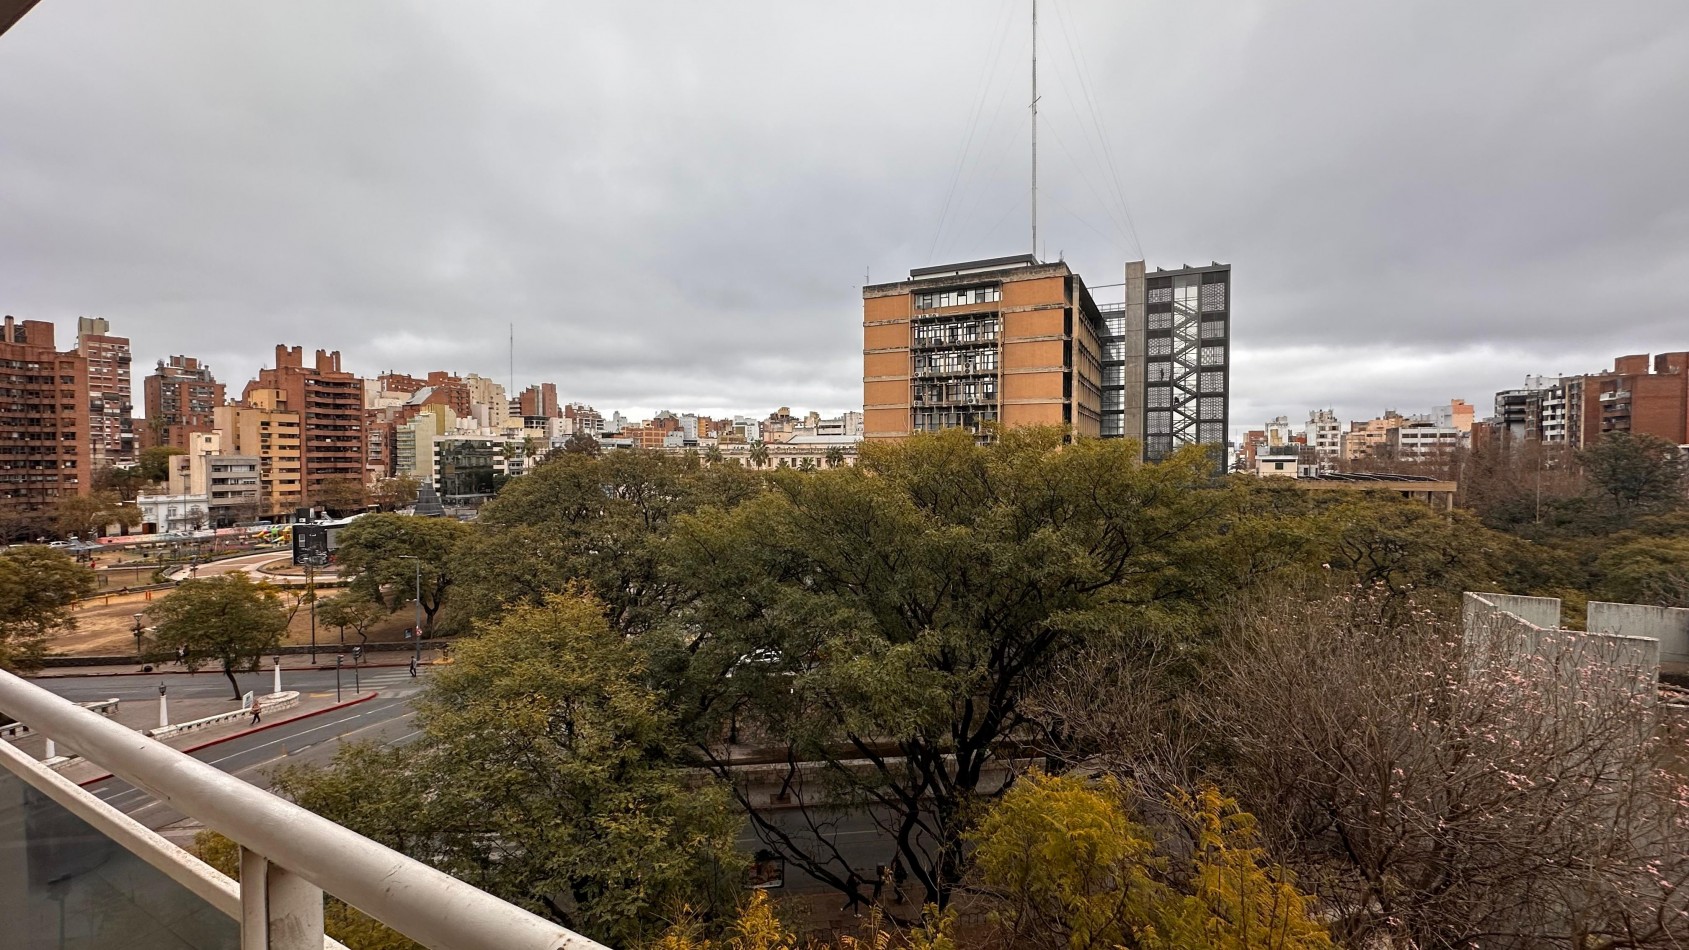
(256, 706)
(182, 655)
(413, 667)
(898, 876)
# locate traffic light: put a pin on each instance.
(357, 654)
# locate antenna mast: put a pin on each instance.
(1034, 128)
(512, 360)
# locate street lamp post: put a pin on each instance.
(417, 655)
(312, 562)
(138, 617)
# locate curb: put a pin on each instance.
(247, 732)
(319, 668)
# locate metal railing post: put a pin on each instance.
(279, 910)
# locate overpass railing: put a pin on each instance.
(75, 871)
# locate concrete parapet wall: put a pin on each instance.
(1667, 625)
(1543, 612)
(272, 702)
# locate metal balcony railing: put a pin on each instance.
(290, 857)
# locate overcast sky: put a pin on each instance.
(676, 203)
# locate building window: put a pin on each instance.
(957, 298)
(1160, 346)
(1159, 372)
(1159, 295)
(1213, 297)
(1161, 321)
(1160, 397)
(1212, 382)
(1213, 355)
(1212, 432)
(1158, 423)
(1213, 329)
(1211, 409)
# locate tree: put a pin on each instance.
(758, 454)
(126, 483)
(39, 588)
(544, 774)
(712, 454)
(381, 555)
(597, 520)
(86, 516)
(1447, 788)
(227, 620)
(1646, 571)
(885, 624)
(349, 610)
(341, 495)
(835, 456)
(391, 494)
(1635, 471)
(582, 444)
(1065, 866)
(154, 463)
(1405, 546)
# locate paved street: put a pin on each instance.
(387, 718)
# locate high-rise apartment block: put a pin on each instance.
(181, 398)
(111, 429)
(1630, 398)
(329, 403)
(259, 430)
(538, 401)
(1009, 341)
(45, 451)
(1577, 411)
(1168, 349)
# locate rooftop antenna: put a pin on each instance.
(1034, 128)
(513, 358)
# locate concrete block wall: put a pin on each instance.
(1669, 626)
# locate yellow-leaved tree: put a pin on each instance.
(1063, 864)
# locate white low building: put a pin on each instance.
(168, 513)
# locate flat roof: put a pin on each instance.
(1187, 269)
(990, 263)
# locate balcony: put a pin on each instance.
(76, 872)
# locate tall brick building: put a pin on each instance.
(181, 397)
(45, 451)
(1007, 340)
(330, 405)
(111, 428)
(1630, 398)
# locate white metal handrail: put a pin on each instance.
(427, 905)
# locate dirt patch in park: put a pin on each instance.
(105, 625)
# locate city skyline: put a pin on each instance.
(680, 211)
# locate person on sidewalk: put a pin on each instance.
(256, 707)
(413, 667)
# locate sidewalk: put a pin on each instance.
(290, 661)
(143, 714)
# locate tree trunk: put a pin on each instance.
(230, 673)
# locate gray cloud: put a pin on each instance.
(675, 204)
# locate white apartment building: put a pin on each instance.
(1324, 434)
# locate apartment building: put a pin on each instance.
(1633, 397)
(538, 401)
(272, 436)
(1007, 341)
(1324, 434)
(329, 404)
(226, 488)
(111, 427)
(1167, 363)
(45, 451)
(181, 398)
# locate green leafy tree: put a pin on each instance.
(1402, 545)
(1646, 571)
(39, 588)
(887, 623)
(712, 454)
(582, 444)
(350, 610)
(227, 620)
(544, 775)
(126, 483)
(154, 463)
(376, 553)
(394, 493)
(86, 516)
(835, 456)
(341, 496)
(758, 454)
(1065, 866)
(597, 520)
(1635, 471)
